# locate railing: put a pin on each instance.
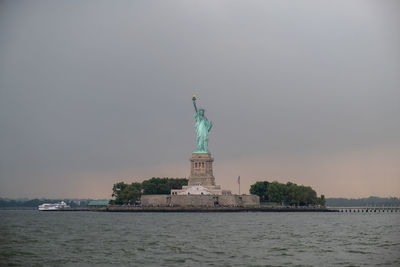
(365, 209)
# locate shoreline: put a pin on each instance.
(115, 208)
(198, 209)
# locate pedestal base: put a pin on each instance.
(201, 190)
(201, 171)
(201, 179)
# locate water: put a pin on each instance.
(203, 239)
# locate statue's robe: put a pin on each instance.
(203, 126)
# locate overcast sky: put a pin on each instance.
(95, 92)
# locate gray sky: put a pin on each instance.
(95, 92)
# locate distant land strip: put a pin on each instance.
(24, 203)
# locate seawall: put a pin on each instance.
(200, 209)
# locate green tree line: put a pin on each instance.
(289, 193)
(130, 193)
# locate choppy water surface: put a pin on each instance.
(219, 239)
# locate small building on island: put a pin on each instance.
(98, 203)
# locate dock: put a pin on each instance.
(367, 209)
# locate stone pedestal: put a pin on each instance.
(201, 178)
(201, 171)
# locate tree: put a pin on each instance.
(289, 193)
(277, 192)
(177, 183)
(126, 193)
(300, 195)
(260, 189)
(293, 194)
(157, 186)
(131, 193)
(321, 200)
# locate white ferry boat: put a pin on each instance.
(53, 206)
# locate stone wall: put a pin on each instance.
(154, 200)
(249, 200)
(200, 200)
(193, 200)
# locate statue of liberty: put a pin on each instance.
(203, 126)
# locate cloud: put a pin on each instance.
(94, 90)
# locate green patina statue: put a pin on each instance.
(203, 126)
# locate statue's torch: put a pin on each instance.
(194, 102)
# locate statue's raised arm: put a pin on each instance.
(194, 103)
